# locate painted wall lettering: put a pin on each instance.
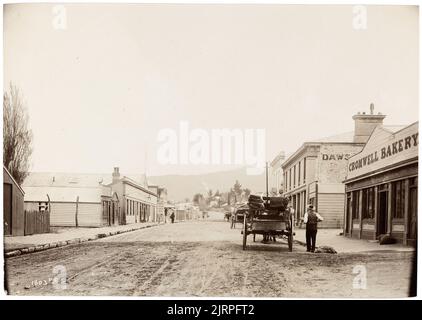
(385, 152)
(335, 157)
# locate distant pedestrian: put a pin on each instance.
(172, 216)
(165, 214)
(290, 209)
(311, 219)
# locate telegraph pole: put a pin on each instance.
(266, 176)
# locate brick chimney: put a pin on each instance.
(116, 174)
(365, 124)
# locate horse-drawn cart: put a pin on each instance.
(268, 222)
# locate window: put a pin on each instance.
(43, 206)
(398, 199)
(290, 178)
(294, 176)
(413, 182)
(304, 170)
(355, 204)
(298, 179)
(368, 203)
(383, 187)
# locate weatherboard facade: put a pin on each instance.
(382, 186)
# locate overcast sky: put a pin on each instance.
(99, 91)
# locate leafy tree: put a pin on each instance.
(247, 192)
(17, 137)
(237, 188)
(197, 198)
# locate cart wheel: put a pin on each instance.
(245, 234)
(290, 241)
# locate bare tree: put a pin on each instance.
(17, 137)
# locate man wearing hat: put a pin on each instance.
(311, 219)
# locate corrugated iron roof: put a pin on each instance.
(66, 194)
(342, 137)
(66, 187)
(393, 129)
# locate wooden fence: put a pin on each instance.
(37, 222)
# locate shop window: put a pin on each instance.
(355, 204)
(398, 199)
(413, 182)
(383, 187)
(368, 203)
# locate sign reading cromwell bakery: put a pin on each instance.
(384, 149)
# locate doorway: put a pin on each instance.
(413, 216)
(7, 209)
(382, 212)
(348, 213)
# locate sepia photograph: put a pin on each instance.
(210, 150)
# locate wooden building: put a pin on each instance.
(161, 202)
(382, 186)
(314, 173)
(136, 201)
(91, 200)
(81, 200)
(276, 184)
(13, 206)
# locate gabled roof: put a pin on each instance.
(346, 137)
(66, 179)
(65, 187)
(135, 184)
(13, 179)
(370, 160)
(393, 129)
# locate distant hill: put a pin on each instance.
(180, 187)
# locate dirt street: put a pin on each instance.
(205, 258)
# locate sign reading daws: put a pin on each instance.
(335, 157)
(383, 149)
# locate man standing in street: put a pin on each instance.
(311, 219)
(172, 216)
(165, 214)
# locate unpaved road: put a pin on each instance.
(204, 259)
